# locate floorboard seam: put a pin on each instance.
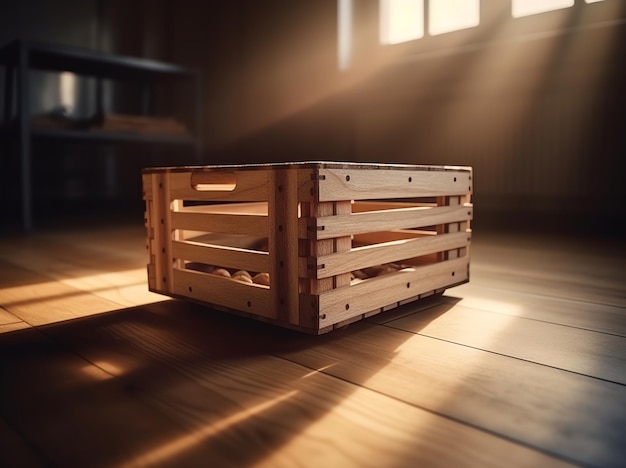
(442, 415)
(508, 356)
(619, 335)
(561, 298)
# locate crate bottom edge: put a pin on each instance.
(310, 330)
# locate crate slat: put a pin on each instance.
(250, 186)
(252, 208)
(211, 222)
(343, 303)
(378, 254)
(226, 292)
(389, 236)
(327, 227)
(363, 184)
(361, 206)
(221, 256)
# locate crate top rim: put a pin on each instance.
(306, 165)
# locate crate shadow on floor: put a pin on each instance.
(168, 382)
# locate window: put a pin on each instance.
(408, 20)
(452, 15)
(532, 7)
(401, 20)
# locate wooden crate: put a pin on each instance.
(315, 228)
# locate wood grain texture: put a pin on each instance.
(523, 365)
(198, 400)
(216, 255)
(38, 300)
(213, 222)
(491, 296)
(578, 269)
(329, 226)
(549, 409)
(249, 186)
(65, 275)
(373, 293)
(300, 232)
(394, 251)
(363, 184)
(598, 355)
(7, 318)
(226, 292)
(283, 245)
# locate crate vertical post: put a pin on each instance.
(283, 243)
(322, 247)
(148, 197)
(158, 219)
(458, 226)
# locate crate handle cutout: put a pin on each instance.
(209, 181)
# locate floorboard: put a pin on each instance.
(556, 411)
(481, 294)
(586, 352)
(524, 366)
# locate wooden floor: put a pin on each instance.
(523, 366)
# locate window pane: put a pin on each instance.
(451, 15)
(401, 20)
(531, 7)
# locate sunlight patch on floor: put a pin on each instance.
(169, 450)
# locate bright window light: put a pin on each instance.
(451, 15)
(401, 20)
(532, 7)
(593, 1)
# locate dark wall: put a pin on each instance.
(270, 76)
(535, 105)
(71, 22)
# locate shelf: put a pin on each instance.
(100, 136)
(53, 57)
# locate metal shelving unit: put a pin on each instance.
(21, 57)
